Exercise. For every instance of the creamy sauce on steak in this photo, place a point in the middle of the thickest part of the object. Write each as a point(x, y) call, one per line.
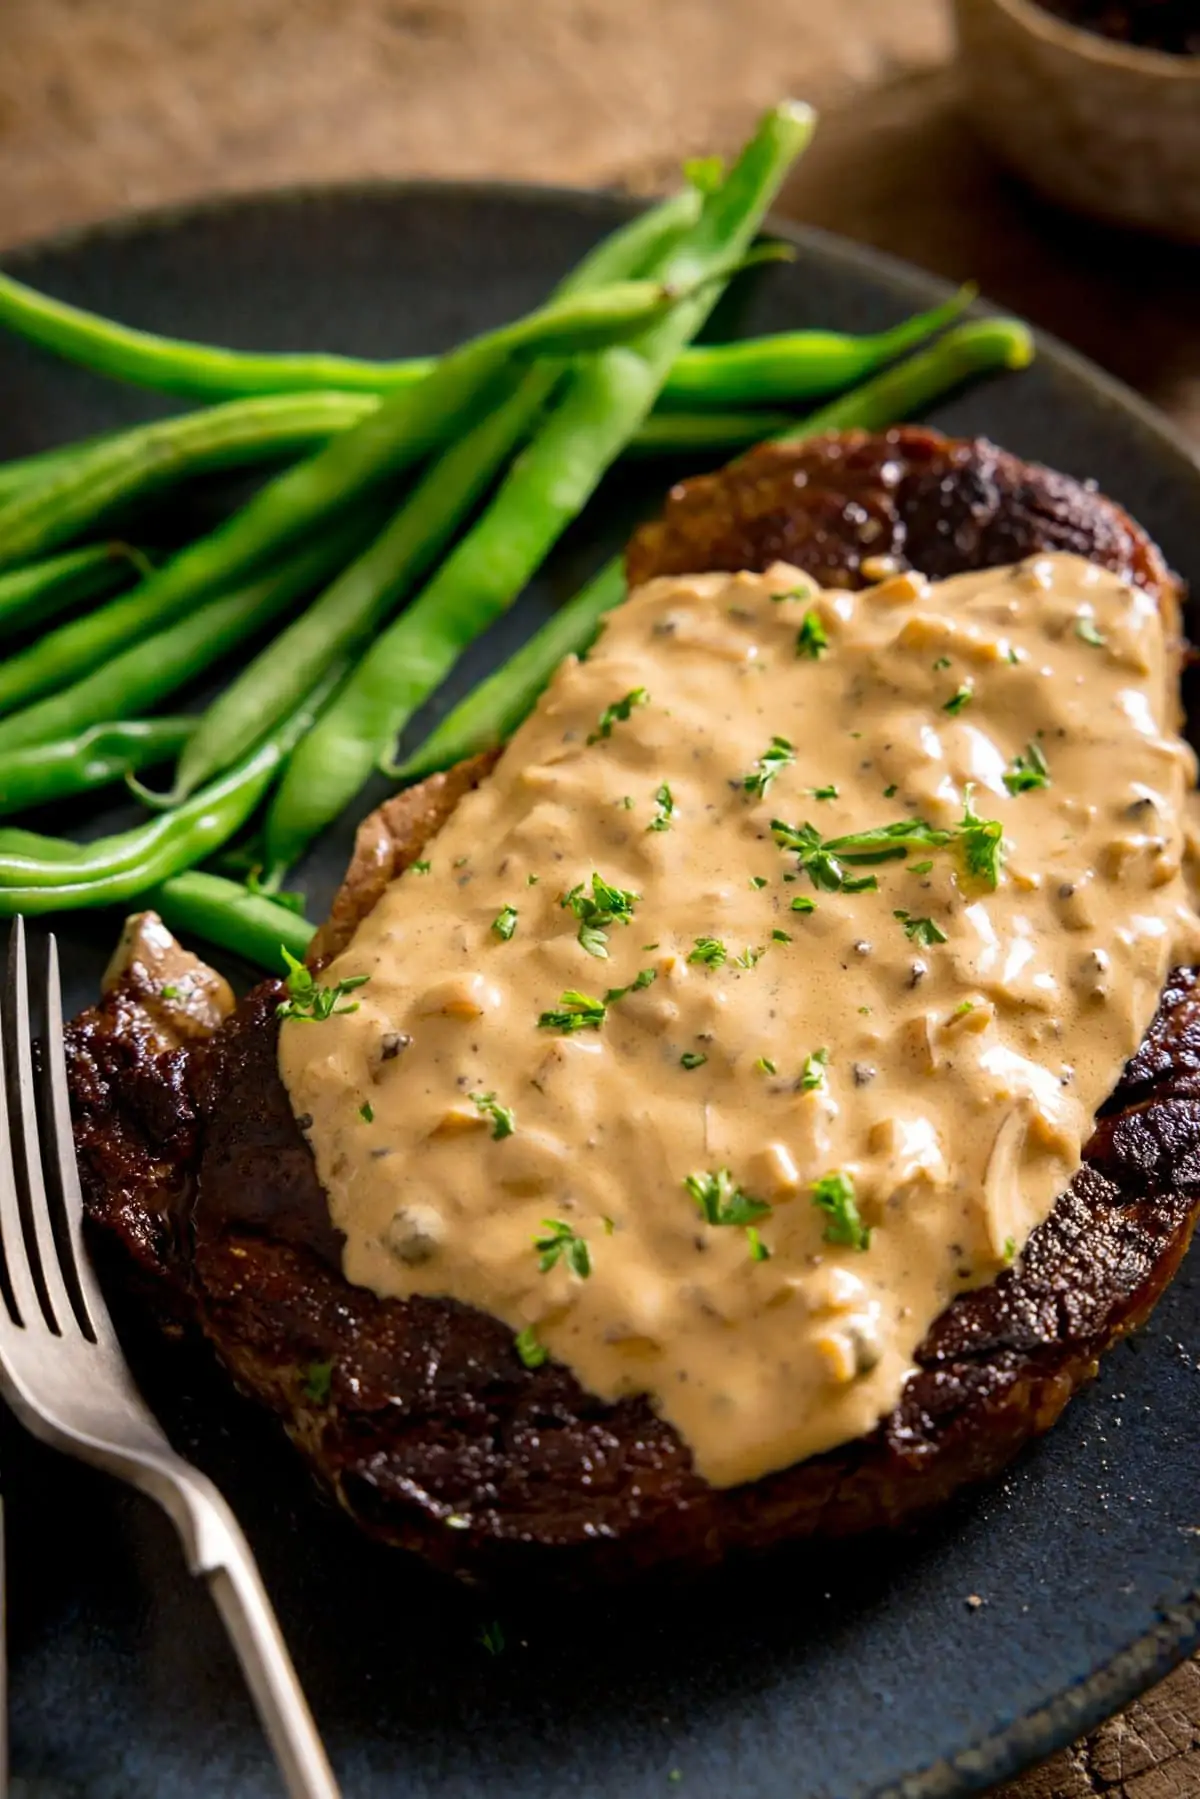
point(708, 1109)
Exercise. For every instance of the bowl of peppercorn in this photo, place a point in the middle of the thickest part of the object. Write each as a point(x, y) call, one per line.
point(1095, 102)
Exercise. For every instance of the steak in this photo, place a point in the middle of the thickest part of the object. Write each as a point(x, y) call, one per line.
point(419, 1414)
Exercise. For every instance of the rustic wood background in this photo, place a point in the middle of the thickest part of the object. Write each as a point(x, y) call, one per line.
point(109, 106)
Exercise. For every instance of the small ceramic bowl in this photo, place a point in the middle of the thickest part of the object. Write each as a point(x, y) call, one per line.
point(1100, 126)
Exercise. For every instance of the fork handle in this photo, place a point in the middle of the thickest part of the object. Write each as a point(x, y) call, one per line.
point(250, 1621)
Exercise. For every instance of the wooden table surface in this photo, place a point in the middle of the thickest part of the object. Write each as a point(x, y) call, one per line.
point(105, 107)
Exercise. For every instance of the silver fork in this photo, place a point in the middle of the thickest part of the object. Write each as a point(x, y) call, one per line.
point(65, 1376)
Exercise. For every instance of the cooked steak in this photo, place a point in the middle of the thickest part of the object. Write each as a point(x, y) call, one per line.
point(419, 1413)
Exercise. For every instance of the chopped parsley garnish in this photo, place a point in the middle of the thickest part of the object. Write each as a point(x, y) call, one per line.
point(420, 868)
point(367, 1112)
point(825, 858)
point(963, 1007)
point(780, 937)
point(665, 802)
point(708, 950)
point(308, 999)
point(692, 1059)
point(890, 792)
point(941, 663)
point(758, 1249)
point(765, 1065)
point(812, 639)
point(169, 992)
point(920, 868)
point(803, 591)
point(643, 978)
point(722, 1201)
point(777, 756)
point(925, 931)
point(575, 1012)
point(491, 1638)
point(1090, 632)
point(834, 1195)
point(758, 881)
point(532, 880)
point(824, 793)
point(562, 1243)
point(505, 922)
point(617, 713)
point(531, 1352)
point(504, 1121)
point(812, 1075)
point(1010, 1251)
point(1027, 771)
point(962, 696)
point(749, 957)
point(318, 1378)
point(981, 841)
point(802, 903)
point(605, 905)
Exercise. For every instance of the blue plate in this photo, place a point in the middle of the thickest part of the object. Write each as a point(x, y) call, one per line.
point(852, 1673)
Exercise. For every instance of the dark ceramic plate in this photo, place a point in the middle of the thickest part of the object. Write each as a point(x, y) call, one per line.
point(846, 1674)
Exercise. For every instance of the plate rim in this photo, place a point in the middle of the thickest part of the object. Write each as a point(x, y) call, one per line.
point(1149, 1658)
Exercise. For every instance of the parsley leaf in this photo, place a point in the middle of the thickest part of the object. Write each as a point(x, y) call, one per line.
point(722, 1201)
point(692, 1059)
point(665, 802)
point(531, 1352)
point(642, 979)
point(576, 1012)
point(824, 793)
point(420, 868)
point(367, 1112)
point(758, 882)
point(318, 1378)
point(708, 950)
point(778, 755)
point(1090, 632)
point(834, 1195)
point(749, 958)
point(617, 713)
point(758, 1249)
point(925, 931)
point(308, 999)
point(812, 1075)
point(505, 922)
point(503, 1119)
point(981, 841)
point(1027, 771)
point(962, 696)
point(605, 905)
point(802, 903)
point(812, 639)
point(562, 1244)
point(765, 1065)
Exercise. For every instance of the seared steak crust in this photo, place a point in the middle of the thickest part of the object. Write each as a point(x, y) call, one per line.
point(419, 1413)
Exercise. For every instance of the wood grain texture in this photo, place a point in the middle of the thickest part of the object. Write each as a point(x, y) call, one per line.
point(105, 107)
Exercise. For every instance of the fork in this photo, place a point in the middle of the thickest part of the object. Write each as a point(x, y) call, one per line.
point(64, 1374)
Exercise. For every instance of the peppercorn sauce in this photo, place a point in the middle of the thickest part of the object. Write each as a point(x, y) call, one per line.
point(706, 1107)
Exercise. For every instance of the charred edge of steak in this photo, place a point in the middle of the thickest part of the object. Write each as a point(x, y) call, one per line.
point(423, 1420)
point(937, 504)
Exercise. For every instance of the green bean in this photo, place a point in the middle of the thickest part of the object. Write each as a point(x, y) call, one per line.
point(229, 915)
point(605, 401)
point(344, 617)
point(492, 711)
point(104, 753)
point(200, 371)
point(298, 502)
point(36, 875)
point(798, 365)
point(158, 665)
point(144, 461)
point(21, 471)
point(44, 589)
point(983, 347)
point(792, 365)
point(704, 433)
